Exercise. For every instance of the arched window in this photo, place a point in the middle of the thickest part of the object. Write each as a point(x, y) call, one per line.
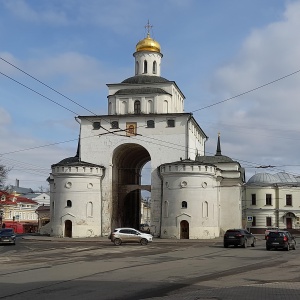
point(114, 124)
point(165, 107)
point(154, 70)
point(69, 203)
point(137, 68)
point(166, 209)
point(96, 125)
point(137, 107)
point(205, 209)
point(150, 124)
point(89, 209)
point(150, 108)
point(183, 204)
point(124, 109)
point(145, 66)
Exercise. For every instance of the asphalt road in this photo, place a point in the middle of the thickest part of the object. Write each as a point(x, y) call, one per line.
point(96, 269)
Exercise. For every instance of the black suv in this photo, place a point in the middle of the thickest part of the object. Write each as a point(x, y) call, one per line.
point(239, 237)
point(280, 239)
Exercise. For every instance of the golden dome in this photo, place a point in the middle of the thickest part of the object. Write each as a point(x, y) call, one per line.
point(148, 44)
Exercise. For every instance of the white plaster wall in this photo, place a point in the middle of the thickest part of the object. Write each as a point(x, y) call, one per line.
point(230, 199)
point(174, 98)
point(150, 57)
point(84, 189)
point(195, 188)
point(164, 144)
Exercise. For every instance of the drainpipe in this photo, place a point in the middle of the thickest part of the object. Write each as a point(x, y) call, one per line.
point(161, 198)
point(277, 205)
point(101, 206)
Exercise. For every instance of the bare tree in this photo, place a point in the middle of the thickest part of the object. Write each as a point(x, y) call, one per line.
point(3, 175)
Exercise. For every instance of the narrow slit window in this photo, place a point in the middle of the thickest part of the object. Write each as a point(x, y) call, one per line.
point(154, 67)
point(145, 66)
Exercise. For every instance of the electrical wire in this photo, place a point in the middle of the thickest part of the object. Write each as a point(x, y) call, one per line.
point(108, 131)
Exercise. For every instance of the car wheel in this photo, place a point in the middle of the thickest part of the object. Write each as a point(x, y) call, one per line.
point(245, 244)
point(294, 248)
point(225, 245)
point(117, 242)
point(144, 242)
point(253, 244)
point(287, 248)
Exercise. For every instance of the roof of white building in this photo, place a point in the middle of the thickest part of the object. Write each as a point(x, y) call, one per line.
point(270, 179)
point(142, 79)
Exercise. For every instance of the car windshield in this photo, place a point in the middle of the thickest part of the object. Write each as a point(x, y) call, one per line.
point(6, 231)
point(276, 234)
point(231, 232)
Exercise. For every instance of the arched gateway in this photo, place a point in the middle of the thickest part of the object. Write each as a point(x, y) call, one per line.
point(128, 161)
point(146, 123)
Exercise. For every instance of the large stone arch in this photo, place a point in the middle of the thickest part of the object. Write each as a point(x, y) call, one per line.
point(127, 163)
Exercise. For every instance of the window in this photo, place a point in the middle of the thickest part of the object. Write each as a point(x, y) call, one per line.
point(150, 124)
point(166, 209)
point(171, 123)
point(268, 199)
point(114, 124)
point(253, 221)
point(165, 107)
point(123, 107)
point(150, 107)
point(136, 68)
point(145, 66)
point(288, 200)
point(69, 203)
point(268, 221)
point(253, 199)
point(137, 107)
point(154, 67)
point(90, 209)
point(96, 125)
point(205, 209)
point(183, 204)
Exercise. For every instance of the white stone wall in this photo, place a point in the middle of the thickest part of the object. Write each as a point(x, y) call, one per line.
point(164, 144)
point(150, 57)
point(173, 96)
point(83, 189)
point(198, 187)
point(230, 195)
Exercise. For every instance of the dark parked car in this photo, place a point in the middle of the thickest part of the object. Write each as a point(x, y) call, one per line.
point(7, 236)
point(239, 237)
point(280, 239)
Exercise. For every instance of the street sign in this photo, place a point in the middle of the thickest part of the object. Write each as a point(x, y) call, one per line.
point(249, 219)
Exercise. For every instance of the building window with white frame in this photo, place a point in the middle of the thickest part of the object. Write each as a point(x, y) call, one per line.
point(288, 200)
point(253, 199)
point(268, 199)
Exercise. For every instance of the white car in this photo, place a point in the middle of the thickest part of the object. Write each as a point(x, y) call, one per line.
point(130, 235)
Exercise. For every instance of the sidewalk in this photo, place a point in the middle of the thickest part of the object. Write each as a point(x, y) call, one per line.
point(105, 239)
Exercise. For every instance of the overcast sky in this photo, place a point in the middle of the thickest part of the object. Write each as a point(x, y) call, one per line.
point(242, 54)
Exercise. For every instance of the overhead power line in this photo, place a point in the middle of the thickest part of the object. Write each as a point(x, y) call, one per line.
point(120, 130)
point(249, 91)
